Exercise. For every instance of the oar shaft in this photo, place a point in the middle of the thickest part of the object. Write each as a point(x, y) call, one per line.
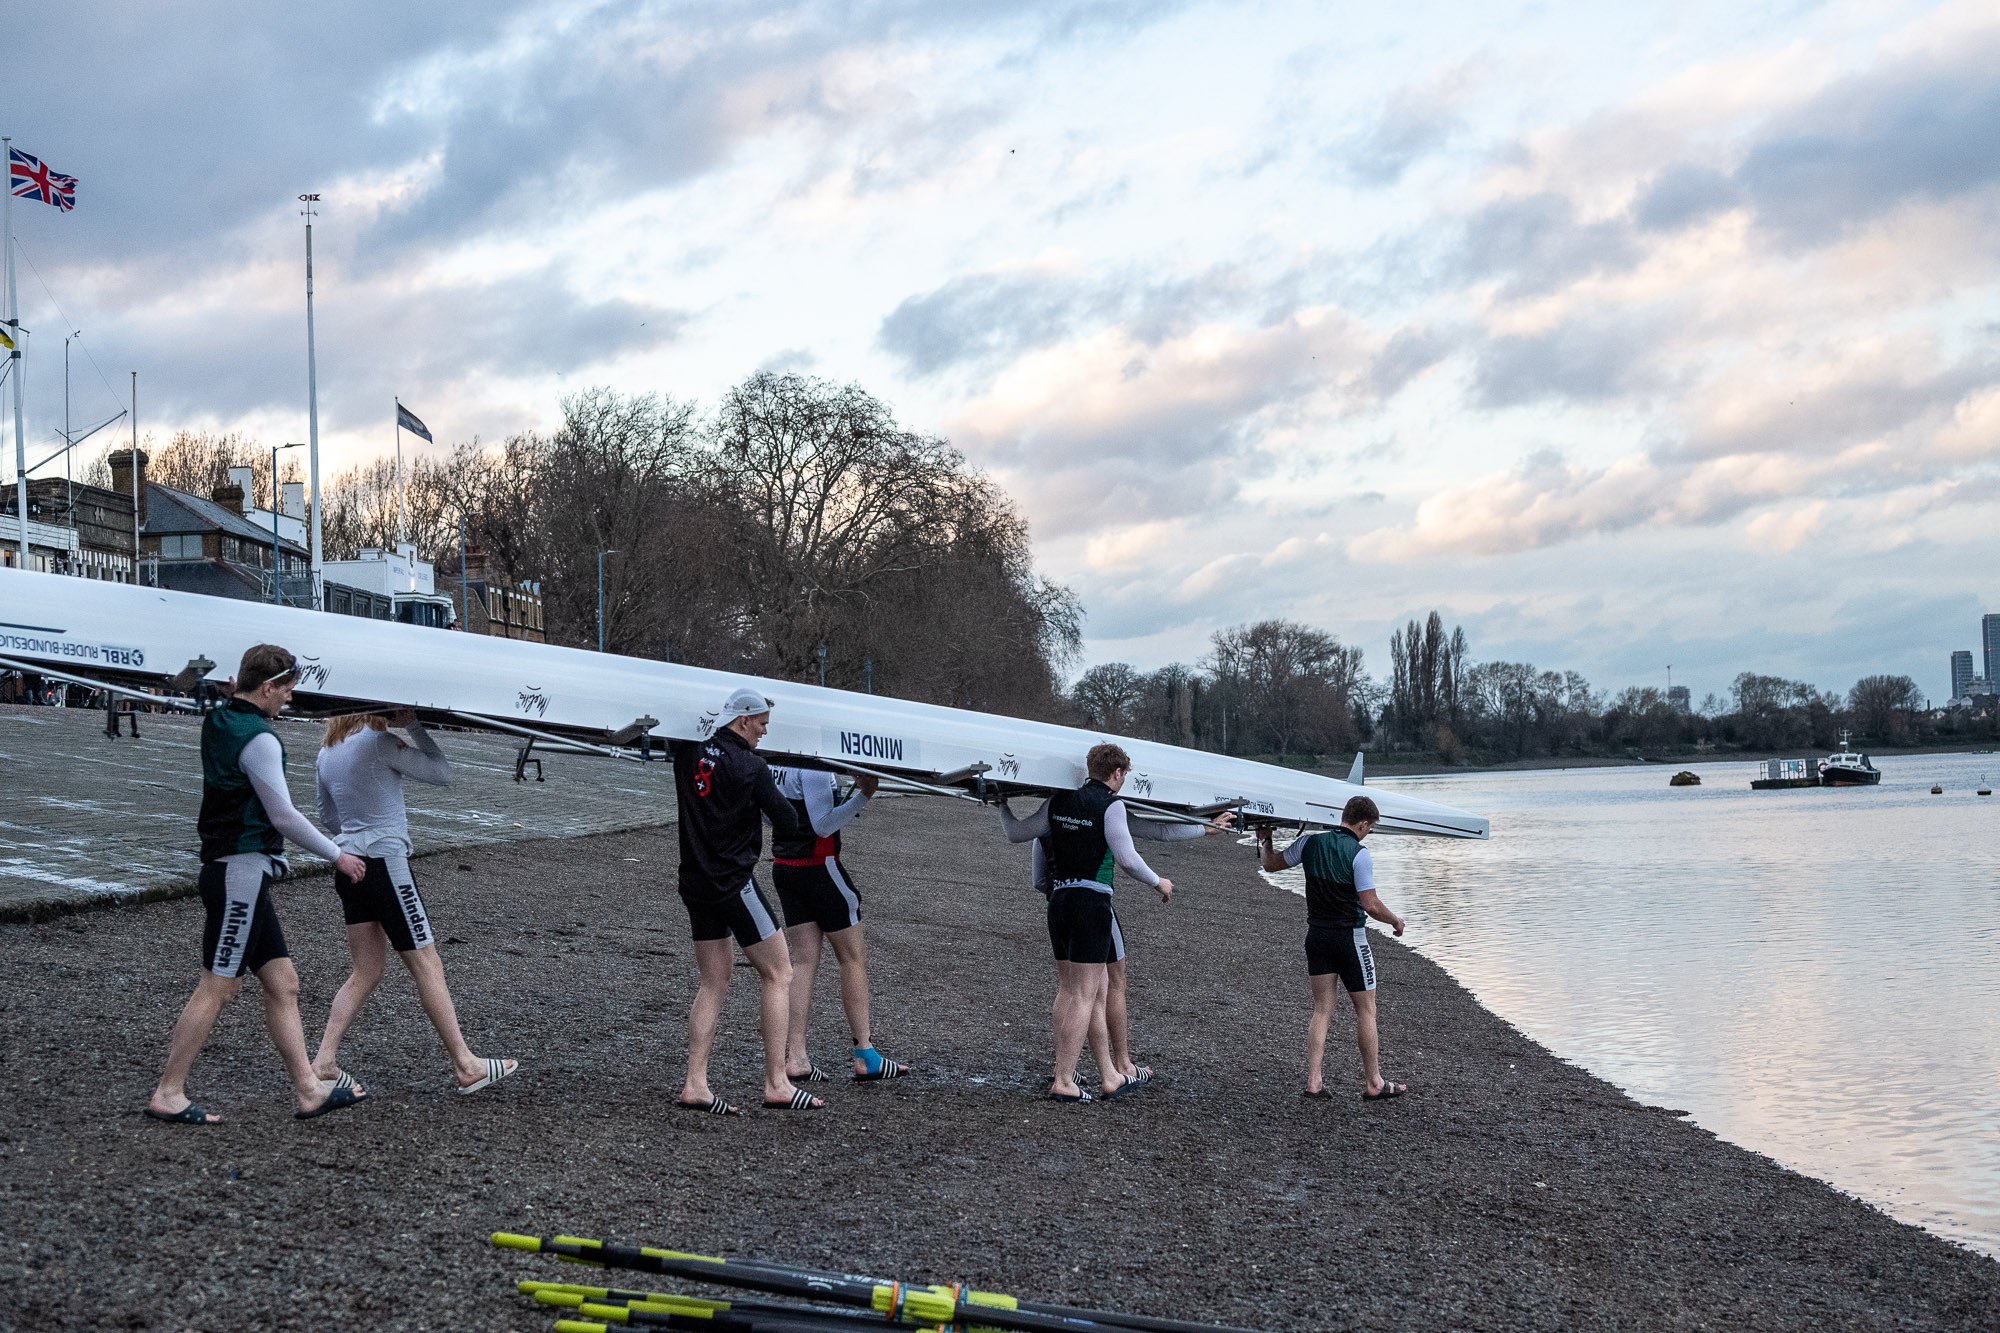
point(887, 1297)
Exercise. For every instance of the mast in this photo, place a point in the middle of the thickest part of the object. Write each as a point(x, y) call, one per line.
point(312, 406)
point(14, 357)
point(135, 477)
point(401, 535)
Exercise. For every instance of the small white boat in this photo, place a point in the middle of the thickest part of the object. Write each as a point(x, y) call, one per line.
point(1848, 769)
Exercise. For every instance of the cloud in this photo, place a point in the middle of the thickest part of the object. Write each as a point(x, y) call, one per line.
point(1922, 129)
point(1537, 243)
point(1416, 120)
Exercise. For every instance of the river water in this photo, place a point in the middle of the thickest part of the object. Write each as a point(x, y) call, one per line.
point(1813, 974)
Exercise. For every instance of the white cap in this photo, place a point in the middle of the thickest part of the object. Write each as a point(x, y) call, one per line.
point(743, 702)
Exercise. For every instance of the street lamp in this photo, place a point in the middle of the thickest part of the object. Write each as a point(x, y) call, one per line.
point(600, 595)
point(277, 556)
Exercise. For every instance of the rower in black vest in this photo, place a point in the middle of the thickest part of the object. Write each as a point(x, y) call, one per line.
point(246, 815)
point(822, 907)
point(1087, 835)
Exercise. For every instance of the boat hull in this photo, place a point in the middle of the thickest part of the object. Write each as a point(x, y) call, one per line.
point(1850, 777)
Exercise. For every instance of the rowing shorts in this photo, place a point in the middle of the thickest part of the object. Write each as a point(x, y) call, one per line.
point(1083, 928)
point(817, 895)
point(241, 932)
point(387, 896)
point(746, 916)
point(1334, 948)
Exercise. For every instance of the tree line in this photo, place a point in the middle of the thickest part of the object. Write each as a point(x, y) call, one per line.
point(1284, 689)
point(796, 528)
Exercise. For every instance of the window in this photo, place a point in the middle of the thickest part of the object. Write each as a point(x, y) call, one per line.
point(181, 546)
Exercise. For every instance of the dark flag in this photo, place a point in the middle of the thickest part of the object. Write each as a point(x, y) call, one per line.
point(408, 421)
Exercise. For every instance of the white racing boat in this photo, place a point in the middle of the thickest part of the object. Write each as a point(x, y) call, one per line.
point(140, 640)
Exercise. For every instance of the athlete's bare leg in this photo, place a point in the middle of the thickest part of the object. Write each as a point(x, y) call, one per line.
point(1115, 1023)
point(1079, 995)
point(191, 1029)
point(1326, 996)
point(280, 983)
point(804, 942)
point(1364, 1031)
point(773, 962)
point(850, 950)
point(369, 947)
point(427, 971)
point(713, 960)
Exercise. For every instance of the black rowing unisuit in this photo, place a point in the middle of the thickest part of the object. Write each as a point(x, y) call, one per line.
point(725, 789)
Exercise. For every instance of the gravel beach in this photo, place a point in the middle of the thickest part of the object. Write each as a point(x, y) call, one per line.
point(1508, 1191)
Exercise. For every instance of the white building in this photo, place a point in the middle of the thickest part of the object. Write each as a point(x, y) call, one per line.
point(407, 581)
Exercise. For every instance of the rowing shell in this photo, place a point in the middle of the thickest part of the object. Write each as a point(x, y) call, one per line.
point(122, 634)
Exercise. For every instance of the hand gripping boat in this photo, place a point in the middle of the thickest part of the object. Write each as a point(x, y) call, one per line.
point(138, 640)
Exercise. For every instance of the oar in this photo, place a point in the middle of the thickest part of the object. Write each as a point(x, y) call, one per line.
point(595, 1300)
point(935, 1304)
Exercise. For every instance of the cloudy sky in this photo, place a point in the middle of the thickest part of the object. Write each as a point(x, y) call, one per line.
point(1625, 335)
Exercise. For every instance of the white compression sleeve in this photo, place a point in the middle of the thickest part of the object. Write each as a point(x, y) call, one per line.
point(1025, 830)
point(827, 818)
point(329, 812)
point(1163, 830)
point(263, 763)
point(1119, 834)
point(425, 762)
point(1364, 871)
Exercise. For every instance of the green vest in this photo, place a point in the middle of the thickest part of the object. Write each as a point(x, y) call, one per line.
point(1329, 866)
point(232, 818)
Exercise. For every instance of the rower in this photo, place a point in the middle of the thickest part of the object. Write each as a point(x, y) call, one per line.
point(361, 769)
point(246, 816)
point(723, 784)
point(1086, 833)
point(1109, 1025)
point(822, 908)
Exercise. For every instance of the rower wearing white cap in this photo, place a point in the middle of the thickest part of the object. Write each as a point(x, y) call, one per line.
point(725, 790)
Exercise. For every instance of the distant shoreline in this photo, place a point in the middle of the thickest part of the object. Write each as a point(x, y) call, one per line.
point(1430, 766)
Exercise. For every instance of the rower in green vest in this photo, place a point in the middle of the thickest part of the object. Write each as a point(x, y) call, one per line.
point(246, 815)
point(1340, 897)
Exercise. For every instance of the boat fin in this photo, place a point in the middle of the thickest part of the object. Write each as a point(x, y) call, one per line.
point(1354, 774)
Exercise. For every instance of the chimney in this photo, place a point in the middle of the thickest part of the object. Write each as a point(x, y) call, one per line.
point(475, 563)
point(295, 500)
point(121, 477)
point(245, 481)
point(229, 495)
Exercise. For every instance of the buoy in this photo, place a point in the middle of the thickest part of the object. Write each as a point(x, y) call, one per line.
point(1684, 779)
point(1937, 791)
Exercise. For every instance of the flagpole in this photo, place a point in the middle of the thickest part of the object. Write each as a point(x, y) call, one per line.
point(312, 408)
point(401, 536)
point(14, 332)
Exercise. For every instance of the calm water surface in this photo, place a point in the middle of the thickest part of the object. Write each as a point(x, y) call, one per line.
point(1813, 974)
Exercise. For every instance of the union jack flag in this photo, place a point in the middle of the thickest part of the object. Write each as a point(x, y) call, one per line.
point(30, 178)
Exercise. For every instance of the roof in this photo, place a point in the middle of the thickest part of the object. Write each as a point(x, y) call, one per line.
point(171, 511)
point(212, 578)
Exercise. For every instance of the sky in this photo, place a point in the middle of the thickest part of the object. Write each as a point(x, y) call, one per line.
point(1625, 336)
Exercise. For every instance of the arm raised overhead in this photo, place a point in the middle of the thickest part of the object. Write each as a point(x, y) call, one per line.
point(1024, 830)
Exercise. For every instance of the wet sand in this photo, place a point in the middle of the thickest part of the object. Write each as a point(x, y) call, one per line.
point(1508, 1191)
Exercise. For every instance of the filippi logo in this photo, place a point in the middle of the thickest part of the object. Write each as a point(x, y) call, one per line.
point(1010, 767)
point(312, 674)
point(705, 724)
point(532, 700)
point(1142, 784)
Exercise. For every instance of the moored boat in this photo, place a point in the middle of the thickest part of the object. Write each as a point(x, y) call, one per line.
point(1845, 768)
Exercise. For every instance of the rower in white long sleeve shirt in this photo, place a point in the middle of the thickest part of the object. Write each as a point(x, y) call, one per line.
point(367, 768)
point(246, 818)
point(822, 906)
point(360, 771)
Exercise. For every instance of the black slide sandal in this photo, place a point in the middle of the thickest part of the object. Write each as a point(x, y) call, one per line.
point(187, 1115)
point(337, 1100)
